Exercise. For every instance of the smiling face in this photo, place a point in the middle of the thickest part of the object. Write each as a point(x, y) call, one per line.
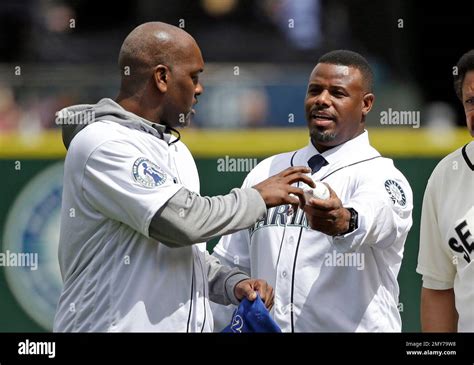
point(468, 100)
point(336, 104)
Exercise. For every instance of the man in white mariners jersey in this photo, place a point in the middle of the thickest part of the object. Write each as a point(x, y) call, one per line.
point(334, 266)
point(447, 228)
point(131, 214)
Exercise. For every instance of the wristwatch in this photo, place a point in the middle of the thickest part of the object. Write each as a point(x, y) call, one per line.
point(353, 220)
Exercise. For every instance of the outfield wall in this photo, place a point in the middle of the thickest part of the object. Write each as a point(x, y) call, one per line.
point(31, 187)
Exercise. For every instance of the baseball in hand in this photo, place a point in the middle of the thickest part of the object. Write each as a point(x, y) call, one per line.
point(319, 192)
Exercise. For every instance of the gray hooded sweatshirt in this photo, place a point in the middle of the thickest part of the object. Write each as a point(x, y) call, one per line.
point(203, 218)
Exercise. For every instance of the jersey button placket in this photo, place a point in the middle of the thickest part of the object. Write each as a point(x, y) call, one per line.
point(285, 268)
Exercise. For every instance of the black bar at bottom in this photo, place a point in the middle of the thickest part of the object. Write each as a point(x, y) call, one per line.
point(157, 348)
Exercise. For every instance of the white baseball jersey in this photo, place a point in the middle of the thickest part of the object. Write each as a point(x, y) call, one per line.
point(116, 277)
point(447, 232)
point(325, 283)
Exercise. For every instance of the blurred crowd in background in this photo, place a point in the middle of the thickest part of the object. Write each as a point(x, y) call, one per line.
point(258, 53)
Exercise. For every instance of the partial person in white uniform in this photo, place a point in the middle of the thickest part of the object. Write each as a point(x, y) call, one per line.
point(132, 219)
point(333, 266)
point(447, 228)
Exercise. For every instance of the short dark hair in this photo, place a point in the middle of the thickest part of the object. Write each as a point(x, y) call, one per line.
point(353, 59)
point(464, 65)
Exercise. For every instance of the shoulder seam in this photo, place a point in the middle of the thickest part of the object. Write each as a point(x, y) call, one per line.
point(87, 160)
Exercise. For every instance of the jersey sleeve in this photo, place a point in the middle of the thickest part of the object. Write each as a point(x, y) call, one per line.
point(435, 262)
point(384, 204)
point(124, 185)
point(233, 249)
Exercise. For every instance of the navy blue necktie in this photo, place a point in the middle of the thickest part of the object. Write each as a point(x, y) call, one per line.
point(316, 162)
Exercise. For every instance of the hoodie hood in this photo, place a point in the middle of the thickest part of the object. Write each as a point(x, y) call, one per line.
point(75, 118)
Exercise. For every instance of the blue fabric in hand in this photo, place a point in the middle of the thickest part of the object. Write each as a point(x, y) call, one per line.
point(252, 317)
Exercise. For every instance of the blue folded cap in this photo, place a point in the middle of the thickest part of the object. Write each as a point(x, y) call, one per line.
point(252, 317)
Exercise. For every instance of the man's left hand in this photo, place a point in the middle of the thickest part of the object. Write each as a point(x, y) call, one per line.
point(248, 289)
point(327, 216)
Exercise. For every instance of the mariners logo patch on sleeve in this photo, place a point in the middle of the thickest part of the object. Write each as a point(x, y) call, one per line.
point(396, 193)
point(148, 174)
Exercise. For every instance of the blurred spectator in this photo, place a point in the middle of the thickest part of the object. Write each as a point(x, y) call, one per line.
point(298, 20)
point(9, 110)
point(46, 36)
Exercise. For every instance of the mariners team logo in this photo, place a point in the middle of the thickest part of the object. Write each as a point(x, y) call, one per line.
point(147, 173)
point(396, 193)
point(32, 230)
point(237, 324)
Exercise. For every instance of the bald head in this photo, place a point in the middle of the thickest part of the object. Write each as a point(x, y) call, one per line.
point(160, 66)
point(147, 46)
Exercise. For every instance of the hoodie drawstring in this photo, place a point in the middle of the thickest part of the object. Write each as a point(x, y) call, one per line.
point(171, 129)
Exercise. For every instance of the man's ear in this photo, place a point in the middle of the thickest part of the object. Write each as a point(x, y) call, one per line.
point(367, 103)
point(161, 76)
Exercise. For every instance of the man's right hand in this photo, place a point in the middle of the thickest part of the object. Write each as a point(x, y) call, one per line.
point(276, 189)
